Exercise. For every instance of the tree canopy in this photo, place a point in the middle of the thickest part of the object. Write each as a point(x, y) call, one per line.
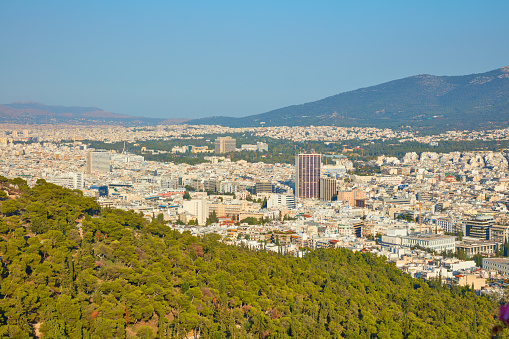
point(71, 270)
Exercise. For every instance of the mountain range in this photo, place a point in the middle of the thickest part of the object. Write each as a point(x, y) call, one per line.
point(30, 112)
point(468, 101)
point(428, 101)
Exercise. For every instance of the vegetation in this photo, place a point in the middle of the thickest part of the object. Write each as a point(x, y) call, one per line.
point(70, 270)
point(283, 151)
point(426, 101)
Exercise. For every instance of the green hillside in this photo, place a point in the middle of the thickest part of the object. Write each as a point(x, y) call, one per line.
point(120, 276)
point(467, 101)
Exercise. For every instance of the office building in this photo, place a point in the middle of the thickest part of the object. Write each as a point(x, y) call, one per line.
point(277, 201)
point(70, 180)
point(480, 227)
point(198, 208)
point(263, 187)
point(328, 188)
point(500, 233)
point(351, 196)
point(307, 175)
point(225, 145)
point(98, 162)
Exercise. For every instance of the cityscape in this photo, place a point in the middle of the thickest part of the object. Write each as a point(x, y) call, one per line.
point(431, 214)
point(254, 170)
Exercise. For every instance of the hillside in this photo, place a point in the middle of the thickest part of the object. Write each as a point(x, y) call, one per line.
point(469, 101)
point(37, 113)
point(69, 270)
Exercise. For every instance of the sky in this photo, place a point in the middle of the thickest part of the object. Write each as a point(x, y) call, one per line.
point(191, 59)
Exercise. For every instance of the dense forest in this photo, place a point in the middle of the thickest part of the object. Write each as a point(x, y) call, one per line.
point(71, 270)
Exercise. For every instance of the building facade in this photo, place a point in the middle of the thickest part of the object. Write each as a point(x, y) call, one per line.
point(263, 187)
point(281, 201)
point(328, 188)
point(98, 162)
point(351, 196)
point(225, 145)
point(480, 227)
point(434, 242)
point(307, 175)
point(496, 264)
point(198, 208)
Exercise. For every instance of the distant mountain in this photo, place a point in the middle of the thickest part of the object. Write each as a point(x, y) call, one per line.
point(466, 101)
point(29, 112)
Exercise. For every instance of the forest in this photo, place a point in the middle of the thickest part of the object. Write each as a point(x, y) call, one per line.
point(70, 269)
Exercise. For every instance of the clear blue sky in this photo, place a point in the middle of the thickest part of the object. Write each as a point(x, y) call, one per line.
point(190, 58)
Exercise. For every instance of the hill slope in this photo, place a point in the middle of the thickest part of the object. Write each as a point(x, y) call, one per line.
point(69, 270)
point(37, 113)
point(421, 100)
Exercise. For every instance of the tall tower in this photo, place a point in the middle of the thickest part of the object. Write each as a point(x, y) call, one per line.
point(307, 175)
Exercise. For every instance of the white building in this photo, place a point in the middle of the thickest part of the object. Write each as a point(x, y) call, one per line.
point(496, 264)
point(198, 208)
point(98, 162)
point(434, 242)
point(277, 201)
point(71, 180)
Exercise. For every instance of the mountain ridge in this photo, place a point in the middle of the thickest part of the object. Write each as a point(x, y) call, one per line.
point(32, 112)
point(420, 100)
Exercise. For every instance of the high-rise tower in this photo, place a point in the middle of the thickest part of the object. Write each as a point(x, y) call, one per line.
point(307, 175)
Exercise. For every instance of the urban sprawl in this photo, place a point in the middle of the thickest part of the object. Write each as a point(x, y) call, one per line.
point(434, 215)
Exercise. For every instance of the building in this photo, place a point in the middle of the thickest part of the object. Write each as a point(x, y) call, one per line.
point(71, 180)
point(358, 228)
point(98, 162)
point(102, 191)
point(434, 242)
point(201, 149)
point(447, 224)
point(351, 196)
point(471, 280)
point(496, 264)
point(248, 147)
point(500, 233)
point(263, 187)
point(225, 144)
point(198, 208)
point(307, 175)
point(262, 147)
point(232, 209)
point(328, 188)
point(480, 227)
point(211, 185)
point(473, 246)
point(277, 201)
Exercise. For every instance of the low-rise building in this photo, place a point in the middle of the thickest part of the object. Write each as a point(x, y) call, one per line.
point(496, 264)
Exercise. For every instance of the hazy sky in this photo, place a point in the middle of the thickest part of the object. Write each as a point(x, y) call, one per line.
point(201, 58)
